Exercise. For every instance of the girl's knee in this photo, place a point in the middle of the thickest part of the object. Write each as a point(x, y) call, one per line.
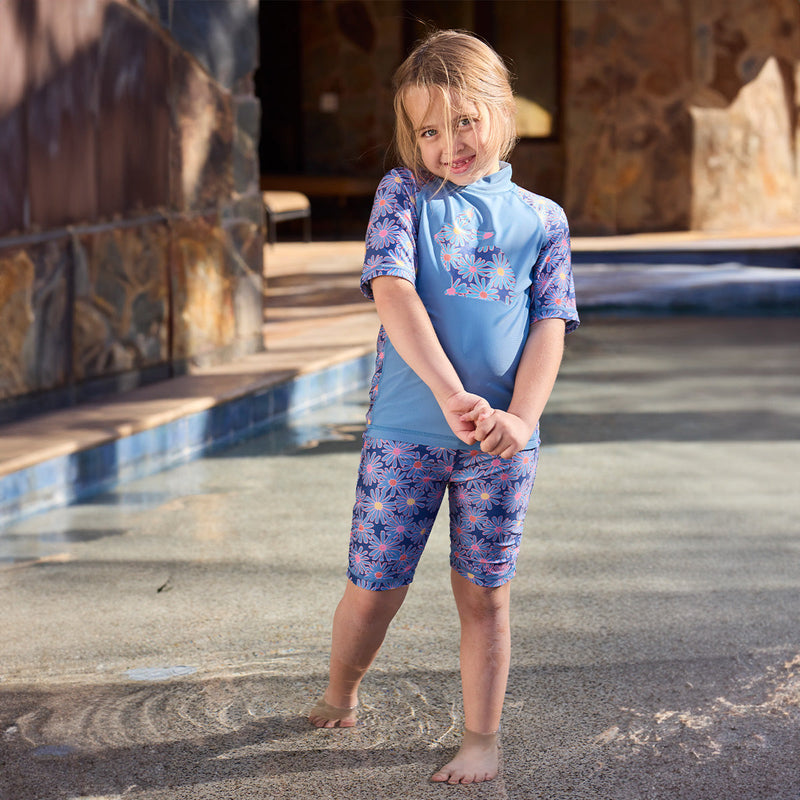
point(481, 602)
point(372, 605)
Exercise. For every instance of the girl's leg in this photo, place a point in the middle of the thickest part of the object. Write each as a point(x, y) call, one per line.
point(387, 537)
point(485, 659)
point(359, 627)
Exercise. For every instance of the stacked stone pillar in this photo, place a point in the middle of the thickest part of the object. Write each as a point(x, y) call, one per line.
point(131, 226)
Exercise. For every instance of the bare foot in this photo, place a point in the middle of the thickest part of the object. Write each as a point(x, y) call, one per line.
point(477, 761)
point(324, 715)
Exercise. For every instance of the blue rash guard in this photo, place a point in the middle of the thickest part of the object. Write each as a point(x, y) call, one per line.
point(487, 260)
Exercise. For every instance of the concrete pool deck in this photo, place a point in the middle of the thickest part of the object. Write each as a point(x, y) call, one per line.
point(319, 335)
point(162, 640)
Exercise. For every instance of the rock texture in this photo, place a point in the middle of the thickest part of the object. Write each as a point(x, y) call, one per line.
point(744, 164)
point(682, 118)
point(121, 300)
point(130, 215)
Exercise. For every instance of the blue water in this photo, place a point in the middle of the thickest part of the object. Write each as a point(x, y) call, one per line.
point(52, 535)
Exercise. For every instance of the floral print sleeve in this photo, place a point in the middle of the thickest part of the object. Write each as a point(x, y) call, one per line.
point(553, 289)
point(392, 230)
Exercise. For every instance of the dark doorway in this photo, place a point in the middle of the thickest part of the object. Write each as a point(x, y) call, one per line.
point(278, 84)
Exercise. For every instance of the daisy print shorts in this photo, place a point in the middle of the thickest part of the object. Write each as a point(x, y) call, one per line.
point(399, 492)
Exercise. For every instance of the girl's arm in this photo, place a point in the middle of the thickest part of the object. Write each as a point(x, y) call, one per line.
point(411, 332)
point(505, 433)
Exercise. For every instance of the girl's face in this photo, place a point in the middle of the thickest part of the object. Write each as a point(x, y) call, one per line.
point(468, 156)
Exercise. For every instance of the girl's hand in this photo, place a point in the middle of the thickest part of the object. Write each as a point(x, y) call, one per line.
point(502, 434)
point(463, 411)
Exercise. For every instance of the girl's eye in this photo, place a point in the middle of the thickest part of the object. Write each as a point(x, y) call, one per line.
point(465, 122)
point(427, 134)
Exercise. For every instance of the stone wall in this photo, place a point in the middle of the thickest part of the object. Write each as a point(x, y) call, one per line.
point(745, 115)
point(681, 114)
point(131, 226)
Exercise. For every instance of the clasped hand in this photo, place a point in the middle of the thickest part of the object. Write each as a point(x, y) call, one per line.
point(473, 420)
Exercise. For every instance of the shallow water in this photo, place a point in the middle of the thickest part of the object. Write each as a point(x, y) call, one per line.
point(52, 535)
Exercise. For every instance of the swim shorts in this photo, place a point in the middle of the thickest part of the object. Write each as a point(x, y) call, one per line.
point(399, 492)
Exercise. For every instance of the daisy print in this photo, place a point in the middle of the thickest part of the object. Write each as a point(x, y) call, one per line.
point(449, 254)
point(522, 463)
point(376, 574)
point(457, 288)
point(475, 547)
point(361, 498)
point(483, 290)
point(500, 527)
point(475, 460)
point(460, 494)
point(412, 499)
point(407, 559)
point(459, 531)
point(378, 506)
point(482, 465)
point(400, 257)
point(396, 453)
point(373, 261)
point(471, 268)
point(517, 497)
point(461, 232)
point(383, 234)
point(393, 481)
point(500, 272)
point(484, 495)
point(372, 466)
point(427, 482)
point(418, 535)
point(416, 467)
point(475, 518)
point(385, 203)
point(385, 546)
point(397, 526)
point(359, 560)
point(362, 530)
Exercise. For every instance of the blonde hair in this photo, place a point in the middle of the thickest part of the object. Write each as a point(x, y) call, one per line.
point(462, 69)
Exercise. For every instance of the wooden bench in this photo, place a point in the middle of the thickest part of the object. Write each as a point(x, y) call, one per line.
point(285, 205)
point(340, 187)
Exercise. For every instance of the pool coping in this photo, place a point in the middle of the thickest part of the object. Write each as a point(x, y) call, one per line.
point(75, 470)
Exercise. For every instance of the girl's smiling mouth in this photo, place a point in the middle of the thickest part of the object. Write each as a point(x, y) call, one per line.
point(460, 165)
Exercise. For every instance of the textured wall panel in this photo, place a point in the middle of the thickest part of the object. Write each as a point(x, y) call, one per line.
point(202, 290)
point(121, 300)
point(33, 321)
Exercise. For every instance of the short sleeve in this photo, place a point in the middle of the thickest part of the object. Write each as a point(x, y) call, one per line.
point(392, 230)
point(553, 289)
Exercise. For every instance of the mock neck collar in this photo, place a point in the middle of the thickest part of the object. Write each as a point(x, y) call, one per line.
point(490, 184)
point(495, 182)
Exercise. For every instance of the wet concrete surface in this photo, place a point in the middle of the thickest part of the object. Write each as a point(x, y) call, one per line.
point(162, 641)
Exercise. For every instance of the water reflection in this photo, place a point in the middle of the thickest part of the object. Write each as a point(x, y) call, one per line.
point(196, 488)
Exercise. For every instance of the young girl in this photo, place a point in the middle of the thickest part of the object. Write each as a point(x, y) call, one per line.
point(472, 282)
